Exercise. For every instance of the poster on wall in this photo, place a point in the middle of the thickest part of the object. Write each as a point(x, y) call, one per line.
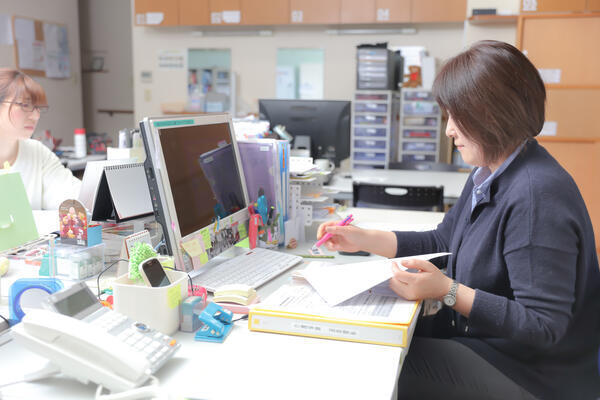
point(41, 48)
point(58, 64)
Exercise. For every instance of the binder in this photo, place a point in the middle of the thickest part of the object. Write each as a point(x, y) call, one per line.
point(17, 225)
point(123, 194)
point(298, 310)
point(266, 170)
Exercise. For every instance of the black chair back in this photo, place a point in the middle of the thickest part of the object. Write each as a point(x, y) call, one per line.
point(420, 198)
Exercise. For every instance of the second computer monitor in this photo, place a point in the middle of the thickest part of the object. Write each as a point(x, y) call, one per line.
point(326, 122)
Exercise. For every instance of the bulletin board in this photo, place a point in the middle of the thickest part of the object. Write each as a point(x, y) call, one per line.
point(41, 48)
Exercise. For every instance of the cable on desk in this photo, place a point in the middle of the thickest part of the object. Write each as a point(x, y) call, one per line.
point(103, 271)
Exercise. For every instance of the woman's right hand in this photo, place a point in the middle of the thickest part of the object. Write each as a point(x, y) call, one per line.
point(345, 238)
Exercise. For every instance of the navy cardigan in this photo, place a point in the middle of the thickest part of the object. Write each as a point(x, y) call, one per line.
point(528, 250)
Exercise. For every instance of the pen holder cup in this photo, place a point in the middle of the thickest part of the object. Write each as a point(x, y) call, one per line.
point(157, 307)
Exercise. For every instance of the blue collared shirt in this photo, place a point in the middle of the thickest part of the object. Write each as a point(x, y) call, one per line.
point(483, 178)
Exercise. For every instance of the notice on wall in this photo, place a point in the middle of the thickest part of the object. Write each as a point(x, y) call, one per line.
point(58, 64)
point(549, 128)
point(171, 59)
point(550, 75)
point(6, 36)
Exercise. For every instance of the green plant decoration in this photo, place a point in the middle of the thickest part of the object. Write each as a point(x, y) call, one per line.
point(140, 253)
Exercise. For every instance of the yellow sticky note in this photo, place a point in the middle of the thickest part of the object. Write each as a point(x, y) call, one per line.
point(174, 296)
point(204, 258)
point(242, 230)
point(206, 238)
point(244, 243)
point(192, 247)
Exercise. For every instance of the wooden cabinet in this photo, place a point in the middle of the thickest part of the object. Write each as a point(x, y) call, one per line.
point(553, 5)
point(193, 12)
point(156, 12)
point(438, 10)
point(393, 10)
point(265, 12)
point(225, 12)
point(357, 11)
point(593, 5)
point(315, 11)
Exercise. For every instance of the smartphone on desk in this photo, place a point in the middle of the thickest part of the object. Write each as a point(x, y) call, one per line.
point(153, 273)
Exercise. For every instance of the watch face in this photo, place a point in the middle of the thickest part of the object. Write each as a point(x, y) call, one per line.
point(449, 300)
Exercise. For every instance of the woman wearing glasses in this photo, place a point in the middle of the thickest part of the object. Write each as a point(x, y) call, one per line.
point(46, 180)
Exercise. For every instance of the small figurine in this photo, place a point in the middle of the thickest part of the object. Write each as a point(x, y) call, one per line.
point(414, 77)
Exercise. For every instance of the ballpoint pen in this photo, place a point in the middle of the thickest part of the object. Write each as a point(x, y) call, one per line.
point(328, 235)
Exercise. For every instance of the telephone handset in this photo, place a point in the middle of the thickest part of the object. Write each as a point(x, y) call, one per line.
point(83, 351)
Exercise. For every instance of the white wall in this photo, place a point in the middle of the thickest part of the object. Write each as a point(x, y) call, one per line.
point(253, 57)
point(64, 95)
point(106, 30)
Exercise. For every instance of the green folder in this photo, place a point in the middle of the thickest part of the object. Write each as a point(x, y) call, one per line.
point(17, 225)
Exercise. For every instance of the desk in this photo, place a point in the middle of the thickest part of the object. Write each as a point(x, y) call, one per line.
point(453, 182)
point(253, 365)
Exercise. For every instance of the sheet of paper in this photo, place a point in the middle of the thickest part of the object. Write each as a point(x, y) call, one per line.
point(6, 36)
point(303, 299)
point(339, 282)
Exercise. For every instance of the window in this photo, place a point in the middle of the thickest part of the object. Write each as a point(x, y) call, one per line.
point(299, 74)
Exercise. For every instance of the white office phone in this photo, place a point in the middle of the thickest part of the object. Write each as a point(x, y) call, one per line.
point(93, 343)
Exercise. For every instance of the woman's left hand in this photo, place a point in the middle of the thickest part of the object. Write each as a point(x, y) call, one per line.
point(428, 283)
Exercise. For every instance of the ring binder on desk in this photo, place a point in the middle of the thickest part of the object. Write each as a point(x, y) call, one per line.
point(123, 194)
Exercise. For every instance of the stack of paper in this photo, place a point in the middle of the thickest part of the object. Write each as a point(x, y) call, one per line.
point(368, 318)
point(341, 303)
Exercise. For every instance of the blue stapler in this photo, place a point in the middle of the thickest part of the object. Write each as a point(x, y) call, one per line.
point(216, 324)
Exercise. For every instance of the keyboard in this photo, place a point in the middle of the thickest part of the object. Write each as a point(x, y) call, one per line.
point(157, 347)
point(254, 268)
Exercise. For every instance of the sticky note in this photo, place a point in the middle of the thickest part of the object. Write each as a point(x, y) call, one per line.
point(193, 247)
point(174, 296)
point(244, 243)
point(206, 238)
point(204, 257)
point(242, 230)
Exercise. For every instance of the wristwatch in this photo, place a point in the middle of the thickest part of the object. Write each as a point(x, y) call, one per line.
point(450, 298)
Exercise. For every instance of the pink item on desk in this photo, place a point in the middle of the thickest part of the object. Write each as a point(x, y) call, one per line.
point(327, 236)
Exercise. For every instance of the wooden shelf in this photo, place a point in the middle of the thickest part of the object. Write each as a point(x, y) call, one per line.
point(492, 19)
point(111, 112)
point(183, 112)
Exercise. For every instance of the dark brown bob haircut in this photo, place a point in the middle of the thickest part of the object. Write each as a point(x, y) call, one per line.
point(495, 96)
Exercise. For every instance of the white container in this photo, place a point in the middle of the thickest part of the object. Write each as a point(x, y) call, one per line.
point(157, 307)
point(80, 143)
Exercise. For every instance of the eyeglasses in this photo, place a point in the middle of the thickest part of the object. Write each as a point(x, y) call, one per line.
point(29, 107)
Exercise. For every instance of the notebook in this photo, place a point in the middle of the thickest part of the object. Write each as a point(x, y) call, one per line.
point(123, 194)
point(17, 225)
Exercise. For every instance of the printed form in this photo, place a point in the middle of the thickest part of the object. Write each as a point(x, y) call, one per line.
point(337, 283)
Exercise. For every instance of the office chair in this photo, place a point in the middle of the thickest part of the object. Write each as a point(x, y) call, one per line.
point(420, 198)
point(425, 166)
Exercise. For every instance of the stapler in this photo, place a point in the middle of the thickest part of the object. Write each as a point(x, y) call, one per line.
point(216, 324)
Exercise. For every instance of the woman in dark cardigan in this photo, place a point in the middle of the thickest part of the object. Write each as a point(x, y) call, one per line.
point(521, 292)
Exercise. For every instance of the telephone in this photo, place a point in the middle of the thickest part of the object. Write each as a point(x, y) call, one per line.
point(93, 343)
point(80, 350)
point(235, 293)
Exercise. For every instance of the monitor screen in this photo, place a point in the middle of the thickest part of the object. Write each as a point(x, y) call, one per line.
point(203, 174)
point(326, 122)
point(196, 182)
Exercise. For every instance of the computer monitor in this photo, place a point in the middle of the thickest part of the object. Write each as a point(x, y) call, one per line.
point(196, 181)
point(326, 122)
